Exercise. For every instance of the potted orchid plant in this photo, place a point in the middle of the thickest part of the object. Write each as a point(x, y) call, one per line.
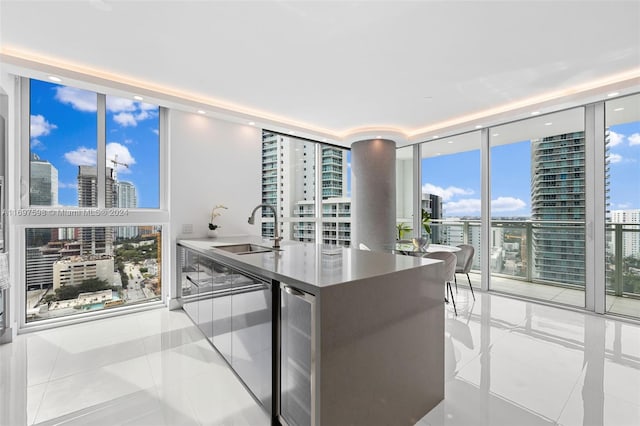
point(215, 212)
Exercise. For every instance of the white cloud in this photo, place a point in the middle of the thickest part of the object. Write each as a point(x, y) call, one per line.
point(36, 144)
point(125, 119)
point(147, 107)
point(80, 100)
point(615, 138)
point(120, 104)
point(615, 158)
point(63, 185)
point(39, 126)
point(82, 156)
point(507, 204)
point(464, 206)
point(623, 206)
point(446, 193)
point(121, 154)
point(157, 132)
point(129, 113)
point(349, 166)
point(142, 115)
point(634, 139)
point(87, 157)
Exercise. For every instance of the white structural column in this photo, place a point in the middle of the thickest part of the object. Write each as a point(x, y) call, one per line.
point(373, 187)
point(595, 207)
point(485, 210)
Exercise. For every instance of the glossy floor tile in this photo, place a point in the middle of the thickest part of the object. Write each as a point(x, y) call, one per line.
point(508, 362)
point(148, 368)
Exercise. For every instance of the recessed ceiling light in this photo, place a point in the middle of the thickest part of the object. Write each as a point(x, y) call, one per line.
point(435, 137)
point(478, 126)
point(613, 94)
point(378, 137)
point(137, 98)
point(324, 139)
point(548, 124)
point(252, 123)
point(201, 112)
point(535, 113)
point(437, 153)
point(618, 109)
point(54, 78)
point(291, 132)
point(496, 134)
point(449, 141)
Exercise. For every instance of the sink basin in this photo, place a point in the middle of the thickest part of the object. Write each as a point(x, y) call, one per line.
point(245, 248)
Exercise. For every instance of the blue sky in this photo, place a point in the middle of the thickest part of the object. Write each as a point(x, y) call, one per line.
point(64, 132)
point(456, 177)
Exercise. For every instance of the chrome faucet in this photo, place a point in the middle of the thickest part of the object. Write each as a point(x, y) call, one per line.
point(276, 239)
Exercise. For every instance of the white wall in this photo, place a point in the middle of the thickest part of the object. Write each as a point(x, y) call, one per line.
point(213, 162)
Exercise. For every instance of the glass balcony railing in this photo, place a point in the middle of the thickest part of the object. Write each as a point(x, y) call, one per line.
point(549, 252)
point(622, 259)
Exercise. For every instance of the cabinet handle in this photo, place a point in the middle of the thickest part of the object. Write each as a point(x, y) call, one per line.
point(292, 291)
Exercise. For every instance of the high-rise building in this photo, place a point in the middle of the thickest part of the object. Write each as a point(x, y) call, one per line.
point(288, 182)
point(76, 269)
point(433, 205)
point(558, 208)
point(126, 197)
point(43, 190)
point(95, 239)
point(40, 260)
point(336, 221)
point(630, 239)
point(334, 169)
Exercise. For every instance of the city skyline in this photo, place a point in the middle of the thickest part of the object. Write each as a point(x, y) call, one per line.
point(456, 177)
point(63, 131)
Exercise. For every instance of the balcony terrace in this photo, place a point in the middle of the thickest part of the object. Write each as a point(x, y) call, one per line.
point(518, 261)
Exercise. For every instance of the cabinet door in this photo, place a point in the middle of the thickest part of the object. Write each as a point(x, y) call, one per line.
point(205, 297)
point(251, 323)
point(297, 357)
point(189, 285)
point(222, 323)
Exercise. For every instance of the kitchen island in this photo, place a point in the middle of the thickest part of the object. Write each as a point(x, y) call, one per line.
point(321, 335)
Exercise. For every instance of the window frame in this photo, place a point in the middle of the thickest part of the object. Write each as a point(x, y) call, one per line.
point(135, 217)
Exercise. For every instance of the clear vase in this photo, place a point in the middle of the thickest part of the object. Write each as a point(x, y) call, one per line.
point(212, 233)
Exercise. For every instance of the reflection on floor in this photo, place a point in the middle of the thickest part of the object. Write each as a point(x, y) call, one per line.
point(625, 306)
point(149, 368)
point(508, 362)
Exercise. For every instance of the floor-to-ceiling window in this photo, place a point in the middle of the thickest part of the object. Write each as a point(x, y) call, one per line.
point(295, 174)
point(538, 207)
point(92, 161)
point(622, 189)
point(404, 193)
point(335, 178)
point(288, 184)
point(450, 190)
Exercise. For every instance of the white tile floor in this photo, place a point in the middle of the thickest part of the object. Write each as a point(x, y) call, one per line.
point(149, 368)
point(508, 362)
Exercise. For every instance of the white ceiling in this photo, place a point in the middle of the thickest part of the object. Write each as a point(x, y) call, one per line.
point(339, 69)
